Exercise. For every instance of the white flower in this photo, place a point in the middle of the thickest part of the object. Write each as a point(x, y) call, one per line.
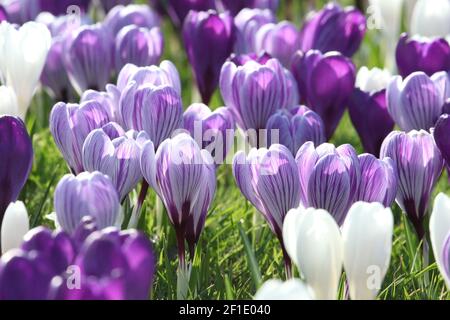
point(372, 80)
point(14, 226)
point(292, 289)
point(431, 18)
point(8, 101)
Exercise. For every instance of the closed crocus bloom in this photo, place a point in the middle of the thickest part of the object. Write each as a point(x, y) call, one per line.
point(235, 6)
point(139, 46)
point(241, 59)
point(428, 55)
point(179, 9)
point(329, 177)
point(313, 70)
point(23, 52)
point(88, 58)
point(419, 165)
point(16, 158)
point(314, 243)
point(212, 130)
point(109, 99)
point(368, 108)
point(21, 11)
point(439, 234)
point(134, 14)
point(334, 29)
point(280, 40)
point(8, 101)
point(88, 194)
point(295, 127)
point(430, 18)
point(442, 137)
point(208, 38)
point(14, 226)
point(118, 158)
point(70, 124)
point(247, 23)
point(367, 239)
point(416, 102)
point(292, 289)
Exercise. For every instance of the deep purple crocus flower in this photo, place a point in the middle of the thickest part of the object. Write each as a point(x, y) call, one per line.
point(208, 38)
point(295, 127)
point(441, 135)
point(235, 6)
point(325, 82)
point(109, 4)
point(428, 55)
point(134, 14)
point(419, 165)
point(16, 159)
point(334, 29)
point(179, 9)
point(3, 14)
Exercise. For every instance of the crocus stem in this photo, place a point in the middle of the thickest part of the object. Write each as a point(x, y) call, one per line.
point(134, 220)
point(181, 248)
point(183, 272)
point(287, 262)
point(159, 207)
point(426, 260)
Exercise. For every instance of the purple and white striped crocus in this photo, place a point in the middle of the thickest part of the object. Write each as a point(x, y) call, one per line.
point(269, 179)
point(134, 14)
point(88, 194)
point(109, 99)
point(208, 38)
point(295, 127)
point(419, 165)
point(368, 109)
point(212, 130)
point(416, 102)
point(325, 82)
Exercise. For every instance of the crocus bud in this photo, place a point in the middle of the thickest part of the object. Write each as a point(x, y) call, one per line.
point(88, 194)
point(314, 243)
point(419, 165)
point(235, 6)
point(292, 289)
point(430, 18)
point(280, 40)
point(208, 38)
point(179, 9)
point(139, 46)
point(442, 137)
point(367, 238)
point(428, 55)
point(334, 29)
point(312, 70)
point(416, 102)
point(23, 52)
point(368, 108)
point(8, 101)
point(295, 127)
point(15, 225)
point(109, 100)
point(135, 14)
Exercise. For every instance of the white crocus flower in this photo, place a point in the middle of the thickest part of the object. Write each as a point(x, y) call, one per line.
point(8, 101)
point(367, 237)
point(431, 18)
point(23, 53)
point(292, 289)
point(372, 80)
point(313, 241)
point(440, 230)
point(14, 226)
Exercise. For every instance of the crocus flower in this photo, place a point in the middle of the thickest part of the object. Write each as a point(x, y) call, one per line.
point(439, 234)
point(368, 108)
point(109, 99)
point(88, 194)
point(428, 55)
point(430, 18)
point(247, 23)
point(212, 130)
point(14, 226)
point(70, 124)
point(241, 59)
point(62, 7)
point(334, 29)
point(134, 14)
point(269, 179)
point(16, 158)
point(109, 4)
point(21, 11)
point(208, 38)
point(3, 14)
point(8, 101)
point(280, 40)
point(139, 46)
point(88, 58)
point(295, 127)
point(235, 6)
point(419, 165)
point(442, 137)
point(313, 70)
point(23, 53)
point(329, 177)
point(416, 102)
point(118, 158)
point(291, 289)
point(179, 9)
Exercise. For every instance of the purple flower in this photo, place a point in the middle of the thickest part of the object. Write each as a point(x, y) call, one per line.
point(118, 158)
point(428, 55)
point(329, 177)
point(133, 14)
point(109, 100)
point(212, 130)
point(235, 6)
point(334, 29)
point(179, 9)
point(418, 165)
point(61, 7)
point(416, 102)
point(139, 46)
point(21, 11)
point(16, 158)
point(109, 4)
point(295, 127)
point(88, 194)
point(3, 14)
point(70, 124)
point(208, 38)
point(88, 58)
point(280, 40)
point(442, 137)
point(241, 59)
point(325, 82)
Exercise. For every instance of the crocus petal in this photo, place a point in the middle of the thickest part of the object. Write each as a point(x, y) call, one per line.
point(430, 18)
point(15, 225)
point(292, 289)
